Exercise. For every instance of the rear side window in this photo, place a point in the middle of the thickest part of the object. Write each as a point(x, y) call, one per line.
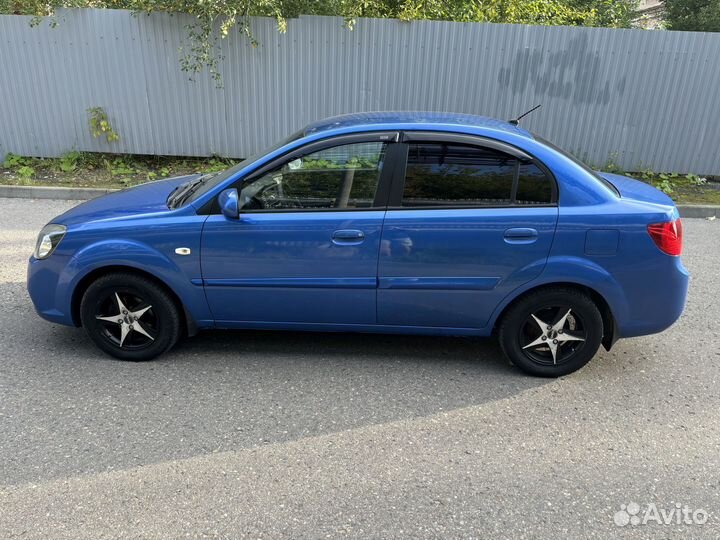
point(452, 175)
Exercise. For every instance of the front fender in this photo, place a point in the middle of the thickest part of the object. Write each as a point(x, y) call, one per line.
point(132, 254)
point(576, 271)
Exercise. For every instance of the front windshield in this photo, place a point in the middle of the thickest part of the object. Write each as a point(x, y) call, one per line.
point(577, 162)
point(220, 177)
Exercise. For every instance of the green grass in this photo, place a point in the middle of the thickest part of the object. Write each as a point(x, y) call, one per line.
point(81, 169)
point(688, 188)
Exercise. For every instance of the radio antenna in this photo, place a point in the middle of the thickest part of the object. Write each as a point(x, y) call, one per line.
point(516, 121)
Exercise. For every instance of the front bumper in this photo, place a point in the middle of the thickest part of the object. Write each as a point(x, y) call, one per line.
point(43, 286)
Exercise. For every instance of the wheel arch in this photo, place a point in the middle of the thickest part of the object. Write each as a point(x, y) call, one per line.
point(188, 323)
point(610, 331)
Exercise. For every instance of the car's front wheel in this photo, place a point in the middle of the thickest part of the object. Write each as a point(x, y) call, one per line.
point(130, 317)
point(551, 332)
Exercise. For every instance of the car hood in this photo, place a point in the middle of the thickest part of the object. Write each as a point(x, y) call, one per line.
point(143, 199)
point(630, 188)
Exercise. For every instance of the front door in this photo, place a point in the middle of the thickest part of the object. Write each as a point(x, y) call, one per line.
point(305, 249)
point(467, 223)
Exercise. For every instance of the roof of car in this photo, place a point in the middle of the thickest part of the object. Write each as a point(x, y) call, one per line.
point(393, 118)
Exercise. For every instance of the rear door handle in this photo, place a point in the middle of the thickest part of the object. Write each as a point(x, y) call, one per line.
point(521, 235)
point(345, 237)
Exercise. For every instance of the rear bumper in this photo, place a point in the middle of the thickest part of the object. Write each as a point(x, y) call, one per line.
point(655, 301)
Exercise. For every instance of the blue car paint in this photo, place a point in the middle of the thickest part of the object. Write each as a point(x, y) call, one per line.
point(228, 200)
point(461, 262)
point(146, 200)
point(105, 232)
point(591, 238)
point(287, 268)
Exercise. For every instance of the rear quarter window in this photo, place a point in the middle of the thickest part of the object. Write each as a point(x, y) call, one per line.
point(534, 187)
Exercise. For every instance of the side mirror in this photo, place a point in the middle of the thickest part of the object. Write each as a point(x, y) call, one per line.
point(228, 200)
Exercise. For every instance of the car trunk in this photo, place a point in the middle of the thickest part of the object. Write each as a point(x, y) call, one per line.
point(630, 188)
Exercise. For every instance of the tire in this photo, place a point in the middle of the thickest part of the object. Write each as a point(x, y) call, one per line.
point(152, 322)
point(573, 339)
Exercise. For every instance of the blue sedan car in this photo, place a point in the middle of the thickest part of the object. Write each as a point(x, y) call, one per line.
point(414, 223)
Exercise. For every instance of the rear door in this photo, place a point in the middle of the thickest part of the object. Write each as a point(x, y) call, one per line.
point(468, 221)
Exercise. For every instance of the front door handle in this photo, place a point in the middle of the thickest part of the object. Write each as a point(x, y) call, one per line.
point(521, 235)
point(348, 237)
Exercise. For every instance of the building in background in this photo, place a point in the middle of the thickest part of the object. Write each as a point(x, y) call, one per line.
point(650, 14)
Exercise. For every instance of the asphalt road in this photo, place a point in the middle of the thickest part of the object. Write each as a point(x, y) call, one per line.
point(289, 435)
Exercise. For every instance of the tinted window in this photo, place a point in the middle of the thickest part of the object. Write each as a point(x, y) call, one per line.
point(533, 186)
point(440, 174)
point(339, 177)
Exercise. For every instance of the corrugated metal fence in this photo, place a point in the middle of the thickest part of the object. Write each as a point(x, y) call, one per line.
point(645, 99)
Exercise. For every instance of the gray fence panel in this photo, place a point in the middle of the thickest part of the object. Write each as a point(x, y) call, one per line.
point(645, 99)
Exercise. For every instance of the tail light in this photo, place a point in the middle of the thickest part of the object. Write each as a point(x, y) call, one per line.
point(667, 236)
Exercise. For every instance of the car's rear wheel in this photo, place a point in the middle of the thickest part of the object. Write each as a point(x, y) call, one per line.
point(551, 332)
point(130, 317)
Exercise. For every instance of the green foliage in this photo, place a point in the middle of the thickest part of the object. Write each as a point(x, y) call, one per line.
point(670, 182)
point(100, 124)
point(213, 20)
point(101, 170)
point(611, 164)
point(694, 15)
point(25, 172)
point(68, 162)
point(548, 12)
point(22, 166)
point(217, 164)
point(609, 13)
point(696, 180)
point(113, 171)
point(13, 161)
point(162, 172)
point(665, 183)
point(119, 167)
point(355, 162)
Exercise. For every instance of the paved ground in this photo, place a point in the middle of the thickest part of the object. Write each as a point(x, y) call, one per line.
point(274, 435)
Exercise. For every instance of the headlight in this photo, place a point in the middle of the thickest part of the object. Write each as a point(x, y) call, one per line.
point(48, 239)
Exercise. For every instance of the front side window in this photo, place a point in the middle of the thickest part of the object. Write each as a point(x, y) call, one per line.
point(340, 177)
point(457, 175)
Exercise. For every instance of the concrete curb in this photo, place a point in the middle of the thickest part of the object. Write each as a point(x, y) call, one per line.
point(699, 210)
point(47, 192)
point(81, 194)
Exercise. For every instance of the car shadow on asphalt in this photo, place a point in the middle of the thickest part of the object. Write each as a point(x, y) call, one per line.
point(350, 346)
point(224, 390)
